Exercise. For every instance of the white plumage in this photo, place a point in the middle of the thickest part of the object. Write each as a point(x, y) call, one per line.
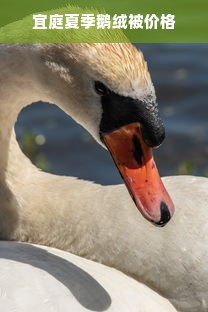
point(90, 220)
point(44, 279)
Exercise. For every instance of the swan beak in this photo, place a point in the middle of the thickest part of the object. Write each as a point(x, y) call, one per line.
point(136, 165)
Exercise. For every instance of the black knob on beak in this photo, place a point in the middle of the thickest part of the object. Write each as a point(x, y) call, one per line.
point(153, 134)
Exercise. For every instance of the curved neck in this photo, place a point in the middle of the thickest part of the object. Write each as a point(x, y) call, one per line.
point(46, 72)
point(26, 77)
point(28, 196)
point(36, 206)
point(19, 87)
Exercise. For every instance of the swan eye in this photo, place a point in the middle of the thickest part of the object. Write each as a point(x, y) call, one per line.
point(100, 88)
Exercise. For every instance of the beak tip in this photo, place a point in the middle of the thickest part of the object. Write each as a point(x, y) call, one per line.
point(165, 215)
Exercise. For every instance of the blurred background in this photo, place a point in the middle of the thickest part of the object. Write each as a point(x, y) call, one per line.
point(55, 143)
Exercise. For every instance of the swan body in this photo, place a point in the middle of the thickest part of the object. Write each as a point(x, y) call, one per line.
point(46, 279)
point(93, 221)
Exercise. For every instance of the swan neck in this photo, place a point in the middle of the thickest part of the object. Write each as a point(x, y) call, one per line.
point(21, 69)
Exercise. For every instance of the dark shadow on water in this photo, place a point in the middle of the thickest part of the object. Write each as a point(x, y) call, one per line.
point(88, 292)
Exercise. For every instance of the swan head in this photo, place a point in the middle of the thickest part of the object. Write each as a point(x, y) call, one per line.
point(113, 97)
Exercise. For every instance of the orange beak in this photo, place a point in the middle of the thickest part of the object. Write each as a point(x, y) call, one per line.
point(136, 165)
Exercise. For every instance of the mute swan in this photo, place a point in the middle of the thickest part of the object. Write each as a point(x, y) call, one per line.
point(90, 220)
point(37, 278)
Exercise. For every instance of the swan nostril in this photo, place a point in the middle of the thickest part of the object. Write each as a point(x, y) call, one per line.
point(165, 215)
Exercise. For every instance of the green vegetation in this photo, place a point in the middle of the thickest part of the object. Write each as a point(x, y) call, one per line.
point(189, 167)
point(186, 167)
point(30, 144)
point(191, 21)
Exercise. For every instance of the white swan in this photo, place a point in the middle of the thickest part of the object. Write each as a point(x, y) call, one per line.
point(37, 278)
point(94, 221)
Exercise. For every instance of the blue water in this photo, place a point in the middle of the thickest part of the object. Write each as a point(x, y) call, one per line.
point(180, 76)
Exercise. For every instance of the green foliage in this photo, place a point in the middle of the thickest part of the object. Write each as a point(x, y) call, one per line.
point(186, 167)
point(22, 31)
point(189, 167)
point(30, 144)
point(190, 16)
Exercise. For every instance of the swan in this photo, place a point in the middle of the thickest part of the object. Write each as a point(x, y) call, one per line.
point(98, 222)
point(38, 278)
